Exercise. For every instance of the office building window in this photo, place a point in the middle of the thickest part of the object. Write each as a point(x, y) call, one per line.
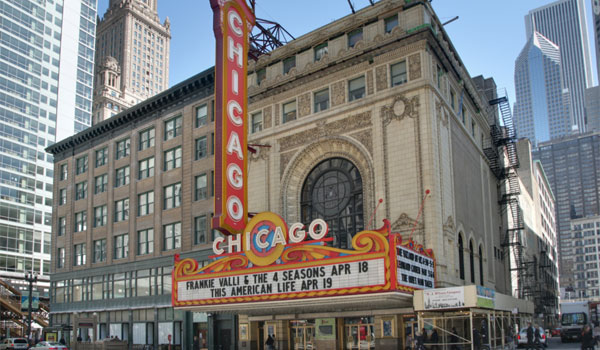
point(62, 196)
point(172, 158)
point(354, 37)
point(146, 241)
point(356, 88)
point(122, 210)
point(201, 146)
point(172, 196)
point(321, 100)
point(201, 187)
point(64, 172)
point(62, 226)
point(146, 168)
point(200, 228)
point(101, 157)
point(100, 183)
point(288, 64)
point(173, 128)
point(398, 73)
point(100, 214)
point(320, 51)
point(172, 236)
point(121, 246)
point(257, 122)
point(81, 190)
point(122, 176)
point(390, 23)
point(81, 221)
point(123, 148)
point(201, 115)
point(146, 203)
point(99, 250)
point(60, 261)
point(261, 74)
point(146, 139)
point(81, 165)
point(289, 111)
point(79, 254)
point(452, 100)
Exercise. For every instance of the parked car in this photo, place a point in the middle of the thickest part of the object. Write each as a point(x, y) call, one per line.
point(49, 345)
point(556, 332)
point(14, 344)
point(522, 337)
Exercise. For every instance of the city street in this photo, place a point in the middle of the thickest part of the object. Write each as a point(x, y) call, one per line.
point(555, 343)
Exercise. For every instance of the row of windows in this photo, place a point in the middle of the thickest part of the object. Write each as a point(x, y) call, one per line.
point(356, 90)
point(173, 128)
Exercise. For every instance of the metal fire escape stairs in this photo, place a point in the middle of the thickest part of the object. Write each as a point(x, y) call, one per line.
point(501, 151)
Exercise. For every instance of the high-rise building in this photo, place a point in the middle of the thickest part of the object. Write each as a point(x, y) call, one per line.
point(38, 39)
point(132, 56)
point(584, 256)
point(592, 108)
point(541, 109)
point(571, 165)
point(596, 18)
point(564, 23)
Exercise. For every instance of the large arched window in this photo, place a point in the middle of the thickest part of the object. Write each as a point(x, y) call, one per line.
point(480, 266)
point(461, 257)
point(333, 191)
point(472, 261)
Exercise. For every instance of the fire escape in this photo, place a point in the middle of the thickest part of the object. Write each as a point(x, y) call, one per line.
point(501, 151)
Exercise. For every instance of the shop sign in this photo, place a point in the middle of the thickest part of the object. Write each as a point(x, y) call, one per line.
point(270, 261)
point(414, 269)
point(486, 297)
point(444, 298)
point(232, 23)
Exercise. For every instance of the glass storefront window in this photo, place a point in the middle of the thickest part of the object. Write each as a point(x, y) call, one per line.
point(115, 330)
point(359, 333)
point(164, 330)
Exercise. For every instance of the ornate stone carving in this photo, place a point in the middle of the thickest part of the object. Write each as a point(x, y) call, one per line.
point(304, 105)
point(370, 86)
point(338, 93)
point(441, 113)
point(267, 116)
point(277, 114)
point(325, 129)
point(381, 78)
point(414, 66)
point(284, 159)
point(366, 138)
point(449, 225)
point(404, 223)
point(400, 108)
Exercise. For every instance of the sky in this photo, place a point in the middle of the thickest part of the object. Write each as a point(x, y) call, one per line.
point(488, 35)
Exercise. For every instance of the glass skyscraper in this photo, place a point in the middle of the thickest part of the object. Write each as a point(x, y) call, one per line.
point(572, 165)
point(564, 23)
point(541, 107)
point(39, 40)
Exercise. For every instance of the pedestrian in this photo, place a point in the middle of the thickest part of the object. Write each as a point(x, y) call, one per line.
point(434, 339)
point(421, 340)
point(454, 339)
point(537, 336)
point(587, 338)
point(596, 332)
point(476, 339)
point(530, 336)
point(62, 340)
point(196, 343)
point(270, 343)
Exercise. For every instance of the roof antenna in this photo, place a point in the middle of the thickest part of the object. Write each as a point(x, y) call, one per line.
point(351, 6)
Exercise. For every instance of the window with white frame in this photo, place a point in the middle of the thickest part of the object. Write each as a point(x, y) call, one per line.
point(289, 111)
point(356, 88)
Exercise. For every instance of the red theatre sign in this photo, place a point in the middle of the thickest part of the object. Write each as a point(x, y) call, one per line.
point(232, 24)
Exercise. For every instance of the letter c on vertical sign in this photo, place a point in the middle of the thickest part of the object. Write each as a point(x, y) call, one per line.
point(234, 18)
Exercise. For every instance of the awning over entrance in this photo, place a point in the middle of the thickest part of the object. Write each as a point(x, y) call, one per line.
point(364, 302)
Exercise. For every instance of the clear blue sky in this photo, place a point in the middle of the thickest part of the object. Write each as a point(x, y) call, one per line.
point(488, 35)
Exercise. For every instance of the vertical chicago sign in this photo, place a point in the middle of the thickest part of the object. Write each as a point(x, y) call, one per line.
point(232, 22)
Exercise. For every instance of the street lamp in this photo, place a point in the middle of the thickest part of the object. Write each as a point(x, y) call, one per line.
point(31, 278)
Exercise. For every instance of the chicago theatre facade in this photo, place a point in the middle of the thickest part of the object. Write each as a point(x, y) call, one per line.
point(368, 132)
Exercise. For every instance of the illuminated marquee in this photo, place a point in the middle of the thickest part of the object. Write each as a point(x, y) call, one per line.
point(232, 22)
point(271, 262)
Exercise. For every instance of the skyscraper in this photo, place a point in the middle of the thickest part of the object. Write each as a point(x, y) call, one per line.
point(541, 109)
point(572, 165)
point(132, 56)
point(596, 17)
point(38, 39)
point(564, 23)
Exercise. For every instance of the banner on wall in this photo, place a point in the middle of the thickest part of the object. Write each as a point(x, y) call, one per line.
point(271, 261)
point(445, 298)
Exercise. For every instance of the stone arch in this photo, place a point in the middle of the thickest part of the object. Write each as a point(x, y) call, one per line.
point(480, 256)
point(307, 158)
point(461, 255)
point(472, 259)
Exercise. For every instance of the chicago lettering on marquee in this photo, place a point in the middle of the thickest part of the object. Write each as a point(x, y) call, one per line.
point(270, 261)
point(232, 23)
